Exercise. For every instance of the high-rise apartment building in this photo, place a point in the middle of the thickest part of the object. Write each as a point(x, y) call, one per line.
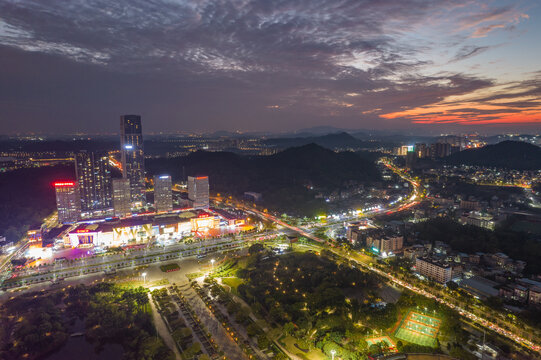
point(198, 191)
point(121, 197)
point(68, 203)
point(434, 270)
point(133, 159)
point(94, 180)
point(163, 193)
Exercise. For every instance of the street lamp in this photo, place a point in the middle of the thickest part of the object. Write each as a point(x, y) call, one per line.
point(144, 275)
point(212, 263)
point(332, 354)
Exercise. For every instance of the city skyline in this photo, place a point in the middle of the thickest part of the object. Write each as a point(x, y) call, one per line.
point(325, 180)
point(424, 67)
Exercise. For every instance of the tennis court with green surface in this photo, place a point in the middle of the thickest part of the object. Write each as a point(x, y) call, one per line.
point(419, 329)
point(384, 339)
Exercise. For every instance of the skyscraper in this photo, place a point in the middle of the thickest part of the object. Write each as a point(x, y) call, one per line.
point(121, 197)
point(163, 193)
point(198, 191)
point(94, 180)
point(68, 203)
point(133, 159)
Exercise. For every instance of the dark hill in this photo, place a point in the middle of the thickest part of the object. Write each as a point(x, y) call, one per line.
point(283, 178)
point(507, 154)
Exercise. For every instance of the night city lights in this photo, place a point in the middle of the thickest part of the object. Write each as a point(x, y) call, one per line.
point(270, 180)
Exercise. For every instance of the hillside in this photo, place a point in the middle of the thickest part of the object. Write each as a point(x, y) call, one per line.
point(27, 197)
point(507, 154)
point(283, 178)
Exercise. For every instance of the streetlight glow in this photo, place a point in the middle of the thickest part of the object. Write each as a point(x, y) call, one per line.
point(144, 275)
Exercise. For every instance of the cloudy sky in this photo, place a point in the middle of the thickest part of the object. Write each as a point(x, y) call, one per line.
point(270, 65)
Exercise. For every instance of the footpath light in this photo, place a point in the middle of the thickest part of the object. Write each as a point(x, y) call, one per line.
point(332, 354)
point(144, 275)
point(212, 263)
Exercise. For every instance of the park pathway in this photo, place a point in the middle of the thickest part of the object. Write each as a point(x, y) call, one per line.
point(162, 330)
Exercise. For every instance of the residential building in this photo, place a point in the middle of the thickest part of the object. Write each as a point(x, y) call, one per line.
point(121, 197)
point(198, 191)
point(94, 181)
point(68, 202)
point(434, 270)
point(385, 244)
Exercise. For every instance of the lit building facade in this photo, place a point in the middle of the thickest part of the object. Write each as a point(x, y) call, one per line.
point(434, 270)
point(94, 180)
point(67, 201)
point(385, 244)
point(121, 197)
point(138, 230)
point(163, 193)
point(133, 159)
point(198, 191)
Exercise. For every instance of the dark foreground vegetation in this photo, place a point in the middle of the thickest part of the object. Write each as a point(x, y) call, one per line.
point(37, 324)
point(321, 304)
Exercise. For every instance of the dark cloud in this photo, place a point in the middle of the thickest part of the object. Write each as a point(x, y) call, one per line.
point(468, 51)
point(212, 64)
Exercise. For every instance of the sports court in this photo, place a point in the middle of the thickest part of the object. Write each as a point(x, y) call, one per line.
point(419, 329)
point(384, 339)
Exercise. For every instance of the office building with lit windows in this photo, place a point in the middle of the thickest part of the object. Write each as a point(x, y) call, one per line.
point(198, 191)
point(121, 197)
point(67, 201)
point(163, 193)
point(94, 181)
point(132, 156)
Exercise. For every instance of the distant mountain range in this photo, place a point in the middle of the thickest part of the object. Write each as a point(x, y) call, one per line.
point(340, 140)
point(506, 154)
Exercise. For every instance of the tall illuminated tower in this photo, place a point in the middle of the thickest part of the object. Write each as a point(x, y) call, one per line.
point(133, 158)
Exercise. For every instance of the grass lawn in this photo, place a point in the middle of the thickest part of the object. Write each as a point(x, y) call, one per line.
point(170, 267)
point(289, 343)
point(233, 282)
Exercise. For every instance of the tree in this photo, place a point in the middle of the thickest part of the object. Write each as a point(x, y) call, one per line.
point(256, 248)
point(452, 285)
point(263, 342)
point(288, 328)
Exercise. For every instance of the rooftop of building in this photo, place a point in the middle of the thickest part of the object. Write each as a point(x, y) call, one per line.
point(434, 261)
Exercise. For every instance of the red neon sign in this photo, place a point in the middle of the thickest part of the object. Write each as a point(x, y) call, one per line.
point(82, 230)
point(63, 183)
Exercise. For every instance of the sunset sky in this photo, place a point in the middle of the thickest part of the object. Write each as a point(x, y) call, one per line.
point(428, 66)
